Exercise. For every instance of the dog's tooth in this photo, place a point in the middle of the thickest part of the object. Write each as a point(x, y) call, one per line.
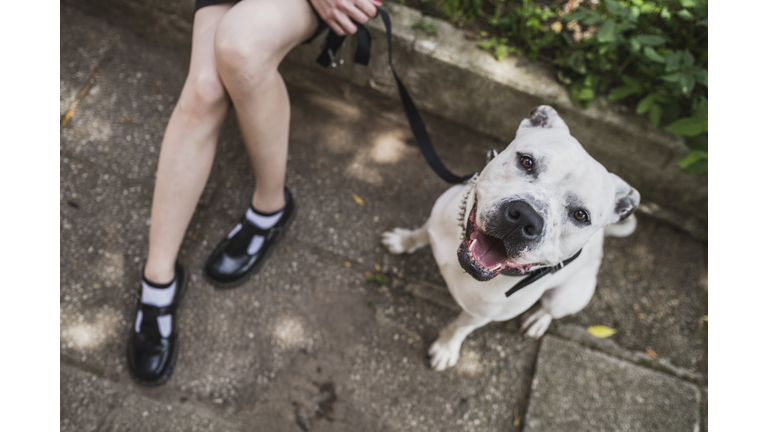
point(472, 245)
point(496, 268)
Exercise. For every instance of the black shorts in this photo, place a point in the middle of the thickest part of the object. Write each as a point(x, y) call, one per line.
point(321, 27)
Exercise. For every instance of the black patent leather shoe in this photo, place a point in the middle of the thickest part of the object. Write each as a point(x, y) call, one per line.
point(230, 264)
point(151, 356)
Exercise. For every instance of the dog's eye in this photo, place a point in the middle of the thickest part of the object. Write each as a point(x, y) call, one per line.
point(527, 162)
point(580, 215)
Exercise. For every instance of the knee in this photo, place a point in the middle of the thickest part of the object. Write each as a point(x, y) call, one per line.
point(244, 57)
point(203, 93)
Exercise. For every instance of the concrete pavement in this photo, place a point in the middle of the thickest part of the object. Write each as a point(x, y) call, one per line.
point(308, 343)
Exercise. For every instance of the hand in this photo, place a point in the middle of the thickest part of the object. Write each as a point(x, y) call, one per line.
point(338, 14)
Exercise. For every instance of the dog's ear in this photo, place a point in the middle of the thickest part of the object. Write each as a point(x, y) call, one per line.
point(544, 117)
point(626, 201)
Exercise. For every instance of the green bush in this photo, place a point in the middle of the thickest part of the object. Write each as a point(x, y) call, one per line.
point(650, 55)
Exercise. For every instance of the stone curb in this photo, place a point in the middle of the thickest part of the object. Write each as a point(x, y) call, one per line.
point(449, 76)
point(440, 296)
point(580, 335)
point(598, 392)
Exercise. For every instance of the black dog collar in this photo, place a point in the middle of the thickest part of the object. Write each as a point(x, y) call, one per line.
point(540, 273)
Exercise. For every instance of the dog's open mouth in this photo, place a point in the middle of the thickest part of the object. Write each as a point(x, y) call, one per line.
point(483, 256)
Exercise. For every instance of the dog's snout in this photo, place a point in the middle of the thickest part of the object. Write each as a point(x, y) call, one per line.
point(524, 220)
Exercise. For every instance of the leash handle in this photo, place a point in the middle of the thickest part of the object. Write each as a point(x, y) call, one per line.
point(419, 130)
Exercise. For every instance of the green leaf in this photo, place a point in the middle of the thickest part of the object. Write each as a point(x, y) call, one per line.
point(648, 7)
point(703, 107)
point(687, 3)
point(576, 15)
point(650, 40)
point(487, 44)
point(593, 17)
point(689, 126)
point(684, 14)
point(673, 62)
point(699, 142)
point(622, 27)
point(698, 167)
point(586, 94)
point(654, 115)
point(695, 162)
point(687, 83)
point(702, 23)
point(653, 55)
point(577, 62)
point(620, 93)
point(665, 13)
point(635, 45)
point(632, 82)
point(666, 99)
point(607, 30)
point(645, 104)
point(673, 78)
point(589, 81)
point(501, 52)
point(614, 8)
point(687, 59)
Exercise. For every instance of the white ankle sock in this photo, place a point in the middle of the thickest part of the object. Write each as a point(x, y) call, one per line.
point(157, 295)
point(260, 220)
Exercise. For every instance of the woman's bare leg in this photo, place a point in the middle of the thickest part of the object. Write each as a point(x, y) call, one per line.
point(251, 41)
point(188, 147)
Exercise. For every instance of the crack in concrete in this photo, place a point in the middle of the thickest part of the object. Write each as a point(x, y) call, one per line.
point(70, 113)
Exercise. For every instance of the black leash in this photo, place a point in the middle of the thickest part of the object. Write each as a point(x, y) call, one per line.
point(540, 273)
point(334, 43)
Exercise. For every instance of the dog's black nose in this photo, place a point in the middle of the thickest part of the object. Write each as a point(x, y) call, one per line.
point(523, 221)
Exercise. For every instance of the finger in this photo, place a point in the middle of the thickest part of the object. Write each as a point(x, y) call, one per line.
point(367, 7)
point(346, 23)
point(329, 18)
point(355, 14)
point(336, 27)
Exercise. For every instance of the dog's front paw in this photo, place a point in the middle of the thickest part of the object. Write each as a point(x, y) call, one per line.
point(536, 323)
point(398, 241)
point(443, 355)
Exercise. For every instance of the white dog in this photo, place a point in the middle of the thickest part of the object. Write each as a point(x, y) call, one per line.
point(541, 203)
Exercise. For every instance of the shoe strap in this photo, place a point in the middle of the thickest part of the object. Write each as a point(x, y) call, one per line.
point(152, 311)
point(268, 234)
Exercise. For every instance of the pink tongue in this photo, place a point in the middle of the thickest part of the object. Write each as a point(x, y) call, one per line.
point(489, 251)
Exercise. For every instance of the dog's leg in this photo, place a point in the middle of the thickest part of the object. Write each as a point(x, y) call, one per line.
point(444, 352)
point(558, 302)
point(401, 240)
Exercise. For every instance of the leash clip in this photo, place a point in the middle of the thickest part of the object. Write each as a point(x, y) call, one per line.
point(340, 53)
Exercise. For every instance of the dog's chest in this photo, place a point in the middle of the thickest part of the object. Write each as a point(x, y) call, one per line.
point(485, 298)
